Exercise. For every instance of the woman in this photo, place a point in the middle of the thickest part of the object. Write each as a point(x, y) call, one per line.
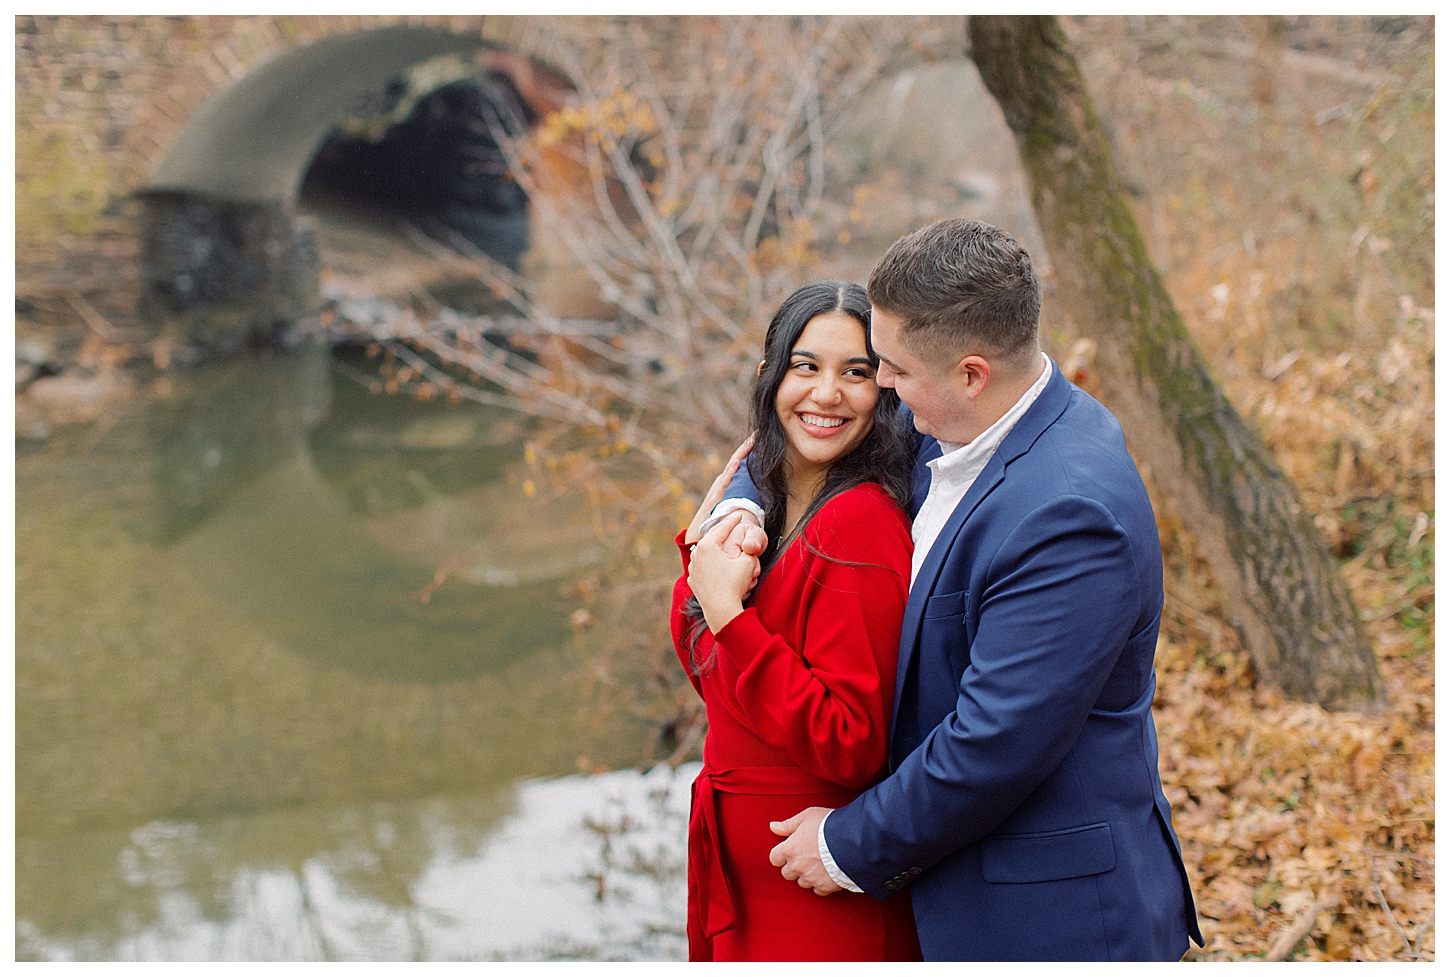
point(798, 687)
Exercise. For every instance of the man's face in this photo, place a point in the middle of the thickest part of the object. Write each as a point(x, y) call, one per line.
point(936, 394)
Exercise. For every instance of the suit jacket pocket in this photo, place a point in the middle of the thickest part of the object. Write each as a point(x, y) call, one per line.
point(1046, 856)
point(945, 605)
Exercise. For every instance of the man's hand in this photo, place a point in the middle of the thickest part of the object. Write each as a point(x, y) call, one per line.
point(799, 857)
point(747, 537)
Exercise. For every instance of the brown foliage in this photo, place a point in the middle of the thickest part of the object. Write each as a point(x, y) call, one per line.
point(1288, 206)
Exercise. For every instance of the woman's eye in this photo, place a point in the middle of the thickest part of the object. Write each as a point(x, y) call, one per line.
point(860, 372)
point(806, 364)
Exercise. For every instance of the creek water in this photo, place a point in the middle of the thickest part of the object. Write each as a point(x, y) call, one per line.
point(243, 733)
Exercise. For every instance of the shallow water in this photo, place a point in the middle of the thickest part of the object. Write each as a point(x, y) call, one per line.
point(252, 723)
point(570, 868)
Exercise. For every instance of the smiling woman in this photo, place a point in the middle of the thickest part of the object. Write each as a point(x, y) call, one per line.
point(826, 403)
point(798, 686)
point(821, 423)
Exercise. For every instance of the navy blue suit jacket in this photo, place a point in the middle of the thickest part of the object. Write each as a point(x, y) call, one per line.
point(1024, 808)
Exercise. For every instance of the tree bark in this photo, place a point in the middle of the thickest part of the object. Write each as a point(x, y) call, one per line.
point(1295, 613)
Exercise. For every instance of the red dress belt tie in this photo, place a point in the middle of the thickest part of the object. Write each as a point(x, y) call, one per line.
point(711, 902)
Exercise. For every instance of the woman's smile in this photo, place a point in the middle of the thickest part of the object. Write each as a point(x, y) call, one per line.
point(821, 426)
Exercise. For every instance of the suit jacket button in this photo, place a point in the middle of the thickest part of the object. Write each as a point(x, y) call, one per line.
point(916, 870)
point(891, 884)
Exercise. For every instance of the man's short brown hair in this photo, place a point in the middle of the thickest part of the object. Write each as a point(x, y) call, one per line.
point(960, 287)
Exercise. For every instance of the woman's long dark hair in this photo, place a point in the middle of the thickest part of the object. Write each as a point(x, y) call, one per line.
point(885, 456)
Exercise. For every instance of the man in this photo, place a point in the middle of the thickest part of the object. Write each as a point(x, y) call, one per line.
point(1024, 810)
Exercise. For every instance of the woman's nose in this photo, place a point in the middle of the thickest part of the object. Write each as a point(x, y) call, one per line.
point(826, 391)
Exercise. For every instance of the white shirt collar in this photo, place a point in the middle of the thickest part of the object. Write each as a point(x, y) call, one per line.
point(961, 460)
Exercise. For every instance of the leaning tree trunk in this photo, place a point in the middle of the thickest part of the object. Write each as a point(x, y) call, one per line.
point(1294, 609)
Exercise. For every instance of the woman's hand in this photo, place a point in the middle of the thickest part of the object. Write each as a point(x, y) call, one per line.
point(717, 491)
point(724, 567)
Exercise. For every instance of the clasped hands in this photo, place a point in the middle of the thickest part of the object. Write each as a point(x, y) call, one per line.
point(724, 568)
point(725, 562)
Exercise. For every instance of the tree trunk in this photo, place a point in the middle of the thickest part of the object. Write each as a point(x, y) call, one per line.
point(1295, 612)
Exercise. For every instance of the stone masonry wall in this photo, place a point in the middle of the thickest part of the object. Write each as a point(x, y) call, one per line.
point(100, 99)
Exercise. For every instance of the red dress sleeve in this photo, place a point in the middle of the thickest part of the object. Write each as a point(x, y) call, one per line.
point(679, 623)
point(827, 703)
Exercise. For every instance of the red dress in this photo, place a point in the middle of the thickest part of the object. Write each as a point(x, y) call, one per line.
point(798, 698)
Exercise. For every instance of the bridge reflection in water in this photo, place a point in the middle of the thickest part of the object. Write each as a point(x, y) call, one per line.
point(240, 734)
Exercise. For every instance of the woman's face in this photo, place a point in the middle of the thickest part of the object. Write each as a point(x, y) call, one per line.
point(827, 400)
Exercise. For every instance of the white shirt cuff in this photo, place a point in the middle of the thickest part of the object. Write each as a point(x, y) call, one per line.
point(728, 506)
point(832, 869)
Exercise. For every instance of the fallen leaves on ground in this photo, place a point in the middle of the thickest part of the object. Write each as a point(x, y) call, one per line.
point(1282, 172)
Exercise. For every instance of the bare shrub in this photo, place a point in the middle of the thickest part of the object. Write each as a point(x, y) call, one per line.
point(685, 174)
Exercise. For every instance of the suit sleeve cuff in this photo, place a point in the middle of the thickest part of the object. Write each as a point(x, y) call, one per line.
point(832, 869)
point(728, 506)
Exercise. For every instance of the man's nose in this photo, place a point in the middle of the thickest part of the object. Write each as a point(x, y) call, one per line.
point(885, 377)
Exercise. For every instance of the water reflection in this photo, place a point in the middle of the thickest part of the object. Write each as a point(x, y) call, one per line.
point(222, 425)
point(297, 517)
point(570, 868)
point(231, 628)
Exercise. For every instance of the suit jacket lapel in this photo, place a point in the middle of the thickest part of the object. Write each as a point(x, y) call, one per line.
point(929, 450)
point(1044, 411)
point(922, 589)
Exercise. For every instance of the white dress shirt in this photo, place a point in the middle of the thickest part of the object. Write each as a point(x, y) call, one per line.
point(952, 476)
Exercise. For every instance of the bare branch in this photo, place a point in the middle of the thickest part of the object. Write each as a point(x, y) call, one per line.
point(683, 193)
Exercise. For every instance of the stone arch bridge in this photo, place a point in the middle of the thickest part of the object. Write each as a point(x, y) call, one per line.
point(199, 132)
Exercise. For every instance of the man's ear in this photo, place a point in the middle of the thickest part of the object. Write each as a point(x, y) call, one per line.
point(972, 375)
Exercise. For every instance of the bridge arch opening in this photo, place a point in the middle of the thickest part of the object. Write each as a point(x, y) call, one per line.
point(398, 122)
point(426, 149)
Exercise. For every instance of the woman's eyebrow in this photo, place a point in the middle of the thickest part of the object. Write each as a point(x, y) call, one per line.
point(808, 354)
